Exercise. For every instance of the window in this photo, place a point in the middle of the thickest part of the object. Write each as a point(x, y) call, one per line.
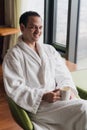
point(82, 39)
point(61, 27)
point(62, 21)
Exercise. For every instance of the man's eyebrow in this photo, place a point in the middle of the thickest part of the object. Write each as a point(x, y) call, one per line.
point(31, 24)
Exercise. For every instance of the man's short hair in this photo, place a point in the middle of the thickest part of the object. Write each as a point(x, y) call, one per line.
point(25, 16)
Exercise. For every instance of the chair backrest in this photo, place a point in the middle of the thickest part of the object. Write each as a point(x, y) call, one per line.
point(82, 93)
point(20, 115)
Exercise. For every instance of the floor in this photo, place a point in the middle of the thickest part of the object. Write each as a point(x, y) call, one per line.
point(82, 64)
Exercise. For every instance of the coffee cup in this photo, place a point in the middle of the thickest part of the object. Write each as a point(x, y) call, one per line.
point(65, 93)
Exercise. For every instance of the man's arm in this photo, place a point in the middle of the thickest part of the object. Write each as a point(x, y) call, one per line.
point(52, 96)
point(16, 87)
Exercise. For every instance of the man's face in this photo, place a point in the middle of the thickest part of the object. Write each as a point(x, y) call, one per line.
point(33, 30)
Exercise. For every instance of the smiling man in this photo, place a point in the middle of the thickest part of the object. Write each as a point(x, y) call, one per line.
point(31, 30)
point(33, 75)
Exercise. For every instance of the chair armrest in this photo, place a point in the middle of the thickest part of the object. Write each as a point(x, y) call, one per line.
point(82, 93)
point(20, 115)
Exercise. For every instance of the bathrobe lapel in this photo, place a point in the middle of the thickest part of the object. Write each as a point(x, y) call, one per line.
point(44, 63)
point(28, 50)
point(41, 59)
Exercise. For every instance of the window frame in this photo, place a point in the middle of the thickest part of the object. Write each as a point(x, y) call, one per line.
point(69, 51)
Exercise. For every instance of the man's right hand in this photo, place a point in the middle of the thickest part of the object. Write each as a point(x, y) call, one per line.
point(52, 96)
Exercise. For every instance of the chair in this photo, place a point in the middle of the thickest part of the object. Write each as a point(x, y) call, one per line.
point(82, 93)
point(20, 115)
point(22, 118)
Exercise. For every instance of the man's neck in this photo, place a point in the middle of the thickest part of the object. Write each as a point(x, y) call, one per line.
point(30, 44)
point(33, 46)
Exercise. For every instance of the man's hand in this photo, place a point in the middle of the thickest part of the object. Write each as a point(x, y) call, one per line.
point(52, 96)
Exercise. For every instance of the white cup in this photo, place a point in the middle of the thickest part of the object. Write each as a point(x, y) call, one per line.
point(65, 93)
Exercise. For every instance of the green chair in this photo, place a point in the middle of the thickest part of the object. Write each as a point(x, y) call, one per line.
point(82, 93)
point(22, 118)
point(20, 115)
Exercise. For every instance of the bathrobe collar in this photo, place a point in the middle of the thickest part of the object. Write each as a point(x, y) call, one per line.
point(30, 51)
point(42, 58)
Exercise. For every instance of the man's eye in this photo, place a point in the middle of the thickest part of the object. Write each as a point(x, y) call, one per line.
point(40, 27)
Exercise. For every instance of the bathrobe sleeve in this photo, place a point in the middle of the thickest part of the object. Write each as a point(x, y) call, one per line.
point(63, 75)
point(15, 85)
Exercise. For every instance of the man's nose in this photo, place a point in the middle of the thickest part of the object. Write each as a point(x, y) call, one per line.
point(37, 30)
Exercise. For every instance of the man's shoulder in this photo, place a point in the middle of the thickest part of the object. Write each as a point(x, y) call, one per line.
point(48, 47)
point(13, 52)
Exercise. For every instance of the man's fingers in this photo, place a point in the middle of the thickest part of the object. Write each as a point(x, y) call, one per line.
point(57, 93)
point(56, 99)
point(56, 90)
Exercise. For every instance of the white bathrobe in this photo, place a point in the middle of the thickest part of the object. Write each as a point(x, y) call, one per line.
point(27, 76)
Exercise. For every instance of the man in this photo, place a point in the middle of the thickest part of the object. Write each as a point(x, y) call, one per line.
point(33, 76)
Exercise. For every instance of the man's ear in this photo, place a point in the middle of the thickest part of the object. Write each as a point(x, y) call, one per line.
point(22, 27)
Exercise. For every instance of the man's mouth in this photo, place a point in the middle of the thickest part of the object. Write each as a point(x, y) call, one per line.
point(36, 36)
